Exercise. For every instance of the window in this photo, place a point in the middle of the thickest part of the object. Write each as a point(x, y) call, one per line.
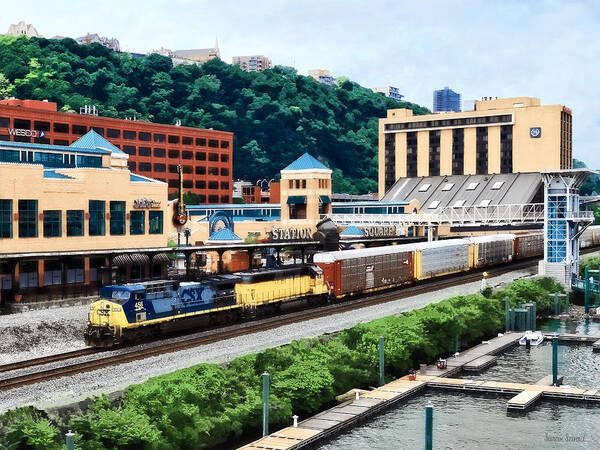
point(200, 184)
point(187, 140)
point(459, 203)
point(112, 133)
point(213, 171)
point(303, 184)
point(144, 151)
point(158, 137)
point(60, 142)
point(291, 184)
point(224, 172)
point(297, 184)
point(156, 222)
point(28, 218)
point(79, 129)
point(201, 142)
point(224, 144)
point(89, 161)
point(22, 124)
point(52, 225)
point(188, 184)
point(128, 134)
point(173, 168)
point(173, 139)
point(213, 185)
point(485, 202)
point(75, 271)
point(224, 185)
point(159, 167)
point(188, 169)
point(97, 217)
point(144, 136)
point(145, 167)
point(74, 222)
point(434, 204)
point(497, 185)
point(200, 170)
point(5, 218)
point(129, 149)
point(224, 158)
point(174, 154)
point(9, 156)
point(472, 186)
point(137, 221)
point(200, 156)
point(52, 272)
point(424, 187)
point(131, 166)
point(224, 199)
point(213, 157)
point(213, 143)
point(5, 122)
point(159, 152)
point(187, 155)
point(99, 130)
point(117, 218)
point(61, 128)
point(448, 186)
point(41, 126)
point(202, 198)
point(213, 198)
point(174, 183)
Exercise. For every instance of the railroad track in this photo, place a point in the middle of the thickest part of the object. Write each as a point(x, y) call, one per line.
point(241, 329)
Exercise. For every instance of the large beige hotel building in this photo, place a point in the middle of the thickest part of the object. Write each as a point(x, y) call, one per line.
point(499, 136)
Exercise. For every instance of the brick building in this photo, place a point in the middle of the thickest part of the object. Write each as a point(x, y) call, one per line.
point(154, 149)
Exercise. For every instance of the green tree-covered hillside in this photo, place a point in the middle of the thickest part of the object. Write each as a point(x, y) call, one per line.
point(276, 115)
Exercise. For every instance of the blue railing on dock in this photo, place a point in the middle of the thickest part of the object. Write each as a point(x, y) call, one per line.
point(589, 284)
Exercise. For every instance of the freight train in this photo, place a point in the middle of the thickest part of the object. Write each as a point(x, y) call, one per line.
point(133, 312)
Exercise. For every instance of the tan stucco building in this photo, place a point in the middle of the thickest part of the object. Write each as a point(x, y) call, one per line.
point(500, 136)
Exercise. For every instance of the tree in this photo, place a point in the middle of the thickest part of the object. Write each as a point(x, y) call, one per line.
point(7, 89)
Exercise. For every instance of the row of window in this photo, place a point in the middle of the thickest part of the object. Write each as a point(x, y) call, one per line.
point(159, 167)
point(301, 184)
point(174, 154)
point(52, 220)
point(49, 159)
point(483, 120)
point(111, 133)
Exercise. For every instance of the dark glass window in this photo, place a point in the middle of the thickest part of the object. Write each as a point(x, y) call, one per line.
point(173, 153)
point(213, 143)
point(113, 133)
point(200, 156)
point(6, 218)
point(200, 184)
point(132, 166)
point(74, 222)
point(224, 172)
point(202, 198)
point(213, 185)
point(200, 170)
point(156, 222)
point(144, 136)
point(224, 185)
point(173, 168)
point(5, 123)
point(4, 137)
point(187, 169)
point(174, 183)
point(117, 218)
point(187, 140)
point(41, 126)
point(9, 156)
point(60, 142)
point(61, 127)
point(390, 160)
point(52, 225)
point(224, 158)
point(99, 130)
point(224, 199)
point(159, 152)
point(411, 154)
point(129, 149)
point(188, 184)
point(187, 155)
point(213, 156)
point(159, 167)
point(458, 151)
point(213, 171)
point(224, 144)
point(21, 139)
point(481, 150)
point(128, 134)
point(22, 124)
point(434, 153)
point(41, 140)
point(145, 167)
point(213, 198)
point(79, 129)
point(144, 151)
point(173, 139)
point(137, 221)
point(506, 149)
point(89, 161)
point(28, 218)
point(97, 221)
point(158, 137)
point(201, 142)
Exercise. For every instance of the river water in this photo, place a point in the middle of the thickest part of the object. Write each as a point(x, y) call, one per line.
point(475, 421)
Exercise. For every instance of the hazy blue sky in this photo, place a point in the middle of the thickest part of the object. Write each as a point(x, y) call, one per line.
point(547, 49)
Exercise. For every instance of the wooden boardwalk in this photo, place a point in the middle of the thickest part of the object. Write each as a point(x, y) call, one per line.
point(334, 420)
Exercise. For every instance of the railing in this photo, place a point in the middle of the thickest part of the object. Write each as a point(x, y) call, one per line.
point(581, 216)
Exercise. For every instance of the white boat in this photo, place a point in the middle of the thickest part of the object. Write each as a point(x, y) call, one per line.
point(534, 338)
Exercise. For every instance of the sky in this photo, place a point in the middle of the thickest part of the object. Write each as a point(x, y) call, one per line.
point(544, 48)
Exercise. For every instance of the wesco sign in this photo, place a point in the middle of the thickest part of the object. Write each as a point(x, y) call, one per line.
point(26, 133)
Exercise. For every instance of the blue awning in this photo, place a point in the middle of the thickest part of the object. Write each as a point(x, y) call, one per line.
point(296, 200)
point(324, 199)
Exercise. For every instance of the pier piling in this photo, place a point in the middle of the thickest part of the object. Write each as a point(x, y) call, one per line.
point(265, 399)
point(429, 426)
point(381, 361)
point(555, 361)
point(70, 440)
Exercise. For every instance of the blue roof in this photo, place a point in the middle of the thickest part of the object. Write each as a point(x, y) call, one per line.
point(134, 177)
point(352, 230)
point(225, 234)
point(93, 141)
point(306, 162)
point(53, 174)
point(56, 148)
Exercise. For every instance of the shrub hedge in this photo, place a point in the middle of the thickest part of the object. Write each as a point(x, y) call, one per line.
point(206, 404)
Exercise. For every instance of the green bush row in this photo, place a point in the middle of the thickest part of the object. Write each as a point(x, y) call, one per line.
point(207, 404)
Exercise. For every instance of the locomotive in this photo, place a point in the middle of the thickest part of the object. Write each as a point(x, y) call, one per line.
point(133, 312)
